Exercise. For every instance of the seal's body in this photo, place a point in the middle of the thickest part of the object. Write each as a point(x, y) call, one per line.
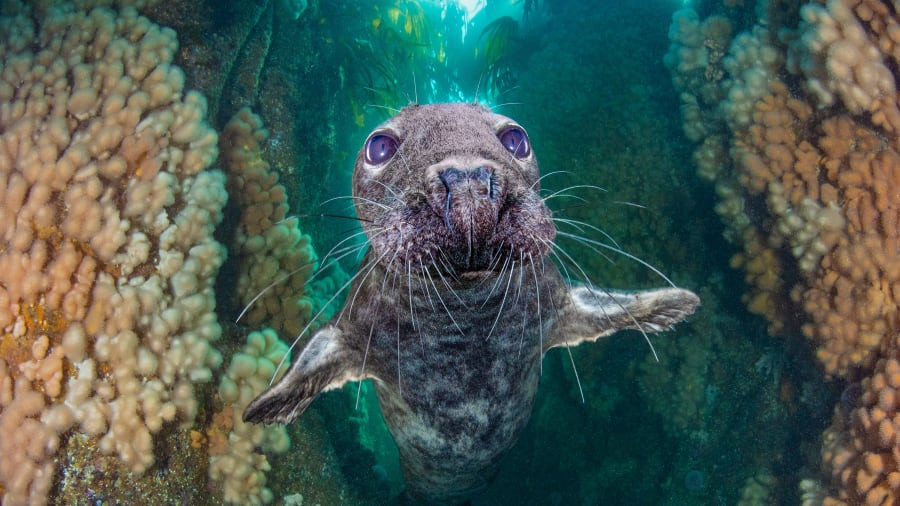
point(456, 302)
point(455, 399)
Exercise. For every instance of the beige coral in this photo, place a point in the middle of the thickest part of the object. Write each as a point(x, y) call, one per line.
point(106, 251)
point(837, 57)
point(275, 259)
point(236, 467)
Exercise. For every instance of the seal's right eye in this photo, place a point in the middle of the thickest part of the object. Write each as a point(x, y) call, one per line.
point(380, 148)
point(515, 141)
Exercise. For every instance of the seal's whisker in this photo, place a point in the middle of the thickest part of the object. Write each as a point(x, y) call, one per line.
point(340, 315)
point(565, 195)
point(593, 287)
point(621, 252)
point(425, 285)
point(391, 110)
point(573, 223)
point(574, 187)
point(391, 190)
point(323, 215)
point(447, 284)
point(416, 326)
point(562, 265)
point(441, 300)
point(626, 203)
point(325, 261)
point(537, 293)
point(492, 107)
point(399, 382)
point(335, 256)
point(377, 231)
point(412, 313)
point(349, 308)
point(503, 301)
point(575, 370)
point(388, 269)
point(478, 87)
point(400, 197)
point(268, 287)
point(362, 369)
point(495, 259)
point(578, 224)
point(547, 175)
point(521, 274)
point(569, 351)
point(507, 90)
point(496, 282)
point(595, 250)
point(524, 321)
point(447, 267)
point(341, 254)
point(316, 317)
point(354, 197)
point(516, 302)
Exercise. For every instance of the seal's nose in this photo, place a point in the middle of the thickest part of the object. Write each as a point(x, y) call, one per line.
point(469, 201)
point(477, 182)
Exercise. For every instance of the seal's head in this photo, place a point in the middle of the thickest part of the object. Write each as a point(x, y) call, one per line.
point(451, 187)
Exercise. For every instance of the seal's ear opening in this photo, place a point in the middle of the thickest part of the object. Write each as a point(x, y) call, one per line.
point(323, 365)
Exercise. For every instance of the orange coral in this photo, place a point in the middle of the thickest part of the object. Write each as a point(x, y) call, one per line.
point(832, 205)
point(763, 271)
point(218, 430)
point(852, 301)
point(860, 450)
point(813, 199)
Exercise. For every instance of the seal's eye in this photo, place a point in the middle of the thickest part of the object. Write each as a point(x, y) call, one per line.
point(380, 148)
point(515, 141)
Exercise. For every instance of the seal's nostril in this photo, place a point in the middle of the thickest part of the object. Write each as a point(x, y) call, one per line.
point(481, 174)
point(479, 182)
point(451, 177)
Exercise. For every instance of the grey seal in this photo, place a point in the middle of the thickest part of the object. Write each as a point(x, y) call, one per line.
point(457, 300)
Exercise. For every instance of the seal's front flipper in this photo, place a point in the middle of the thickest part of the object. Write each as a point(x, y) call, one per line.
point(324, 364)
point(591, 313)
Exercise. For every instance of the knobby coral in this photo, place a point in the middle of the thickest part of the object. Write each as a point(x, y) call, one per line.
point(808, 178)
point(274, 258)
point(236, 465)
point(107, 256)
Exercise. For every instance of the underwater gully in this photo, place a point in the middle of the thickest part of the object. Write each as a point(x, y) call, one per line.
point(217, 216)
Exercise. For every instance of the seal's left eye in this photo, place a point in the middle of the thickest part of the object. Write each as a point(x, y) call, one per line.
point(380, 148)
point(515, 141)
